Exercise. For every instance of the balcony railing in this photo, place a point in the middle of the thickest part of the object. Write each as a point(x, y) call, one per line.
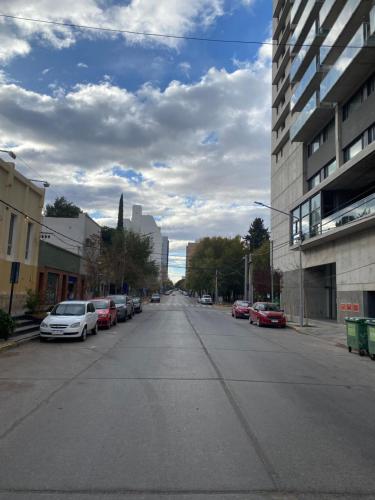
point(343, 62)
point(306, 79)
point(355, 211)
point(337, 28)
point(306, 45)
point(307, 11)
point(372, 21)
point(325, 10)
point(294, 9)
point(304, 115)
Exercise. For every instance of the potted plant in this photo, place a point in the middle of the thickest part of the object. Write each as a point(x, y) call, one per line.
point(7, 325)
point(32, 302)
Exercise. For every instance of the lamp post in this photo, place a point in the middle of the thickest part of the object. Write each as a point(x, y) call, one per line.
point(301, 284)
point(10, 153)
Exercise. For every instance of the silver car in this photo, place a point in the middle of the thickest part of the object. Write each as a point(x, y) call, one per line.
point(124, 306)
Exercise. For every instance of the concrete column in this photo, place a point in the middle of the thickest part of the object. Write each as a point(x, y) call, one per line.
point(338, 136)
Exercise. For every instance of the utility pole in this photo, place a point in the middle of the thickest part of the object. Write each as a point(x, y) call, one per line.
point(246, 282)
point(250, 297)
point(216, 288)
point(271, 268)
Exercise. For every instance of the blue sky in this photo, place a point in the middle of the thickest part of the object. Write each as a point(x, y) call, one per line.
point(182, 127)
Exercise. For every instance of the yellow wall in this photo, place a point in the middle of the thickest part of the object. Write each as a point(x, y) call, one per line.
point(16, 191)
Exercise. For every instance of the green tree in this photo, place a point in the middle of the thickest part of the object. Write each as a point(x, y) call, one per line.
point(62, 208)
point(257, 234)
point(221, 255)
point(120, 218)
point(181, 284)
point(262, 273)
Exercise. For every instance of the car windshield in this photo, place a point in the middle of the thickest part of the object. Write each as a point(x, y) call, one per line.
point(69, 310)
point(206, 296)
point(136, 299)
point(118, 300)
point(242, 303)
point(268, 307)
point(101, 304)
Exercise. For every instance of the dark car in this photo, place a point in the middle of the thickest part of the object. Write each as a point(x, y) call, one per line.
point(240, 309)
point(137, 303)
point(267, 314)
point(124, 306)
point(107, 314)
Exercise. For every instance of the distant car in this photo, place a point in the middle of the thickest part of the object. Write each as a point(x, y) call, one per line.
point(240, 309)
point(155, 297)
point(206, 299)
point(70, 319)
point(137, 303)
point(267, 314)
point(124, 306)
point(107, 312)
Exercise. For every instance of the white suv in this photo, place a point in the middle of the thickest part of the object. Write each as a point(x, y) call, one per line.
point(206, 299)
point(70, 319)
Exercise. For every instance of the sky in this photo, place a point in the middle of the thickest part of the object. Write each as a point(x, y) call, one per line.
point(181, 127)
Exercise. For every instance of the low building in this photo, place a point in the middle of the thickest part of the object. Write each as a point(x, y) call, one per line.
point(59, 276)
point(164, 259)
point(21, 204)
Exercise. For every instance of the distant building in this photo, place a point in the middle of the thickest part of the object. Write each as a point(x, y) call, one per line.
point(146, 225)
point(190, 249)
point(164, 259)
point(20, 216)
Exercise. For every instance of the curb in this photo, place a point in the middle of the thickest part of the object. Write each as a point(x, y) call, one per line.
point(10, 344)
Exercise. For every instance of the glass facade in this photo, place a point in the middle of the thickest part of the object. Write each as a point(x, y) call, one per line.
point(372, 21)
point(342, 63)
point(306, 219)
point(325, 10)
point(304, 115)
point(302, 21)
point(355, 211)
point(306, 79)
point(337, 28)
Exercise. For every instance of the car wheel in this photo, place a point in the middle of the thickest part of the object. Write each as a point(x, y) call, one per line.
point(83, 336)
point(94, 331)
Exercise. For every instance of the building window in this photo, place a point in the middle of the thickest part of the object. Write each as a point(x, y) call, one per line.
point(359, 97)
point(315, 215)
point(371, 134)
point(309, 216)
point(28, 240)
point(314, 181)
point(318, 140)
point(353, 149)
point(12, 230)
point(330, 168)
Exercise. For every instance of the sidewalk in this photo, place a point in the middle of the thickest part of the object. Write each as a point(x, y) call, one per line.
point(328, 331)
point(17, 340)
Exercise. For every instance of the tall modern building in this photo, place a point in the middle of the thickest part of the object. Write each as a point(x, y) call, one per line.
point(164, 259)
point(323, 155)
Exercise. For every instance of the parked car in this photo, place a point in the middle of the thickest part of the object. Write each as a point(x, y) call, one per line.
point(205, 299)
point(240, 309)
point(137, 303)
point(107, 312)
point(70, 319)
point(124, 306)
point(155, 297)
point(267, 313)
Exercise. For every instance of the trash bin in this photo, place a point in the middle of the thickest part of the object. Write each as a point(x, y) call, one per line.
point(356, 334)
point(370, 323)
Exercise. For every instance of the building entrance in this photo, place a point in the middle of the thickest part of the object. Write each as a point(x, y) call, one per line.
point(320, 292)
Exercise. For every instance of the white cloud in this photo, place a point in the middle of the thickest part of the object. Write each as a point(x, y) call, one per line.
point(179, 17)
point(82, 65)
point(76, 137)
point(45, 71)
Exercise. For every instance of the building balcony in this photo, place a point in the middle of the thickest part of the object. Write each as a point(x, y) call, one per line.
point(310, 120)
point(279, 118)
point(303, 26)
point(281, 140)
point(279, 70)
point(305, 87)
point(344, 28)
point(278, 91)
point(280, 21)
point(279, 6)
point(328, 13)
point(309, 49)
point(281, 44)
point(355, 63)
point(296, 10)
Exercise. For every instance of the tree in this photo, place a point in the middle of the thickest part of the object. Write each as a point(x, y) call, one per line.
point(224, 255)
point(257, 234)
point(120, 218)
point(262, 273)
point(62, 208)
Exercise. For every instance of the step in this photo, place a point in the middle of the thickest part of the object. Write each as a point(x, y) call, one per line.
point(26, 329)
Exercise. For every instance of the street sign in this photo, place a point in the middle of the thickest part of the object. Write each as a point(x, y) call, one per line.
point(14, 272)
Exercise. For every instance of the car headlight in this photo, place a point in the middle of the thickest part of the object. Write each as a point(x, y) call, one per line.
point(44, 324)
point(75, 325)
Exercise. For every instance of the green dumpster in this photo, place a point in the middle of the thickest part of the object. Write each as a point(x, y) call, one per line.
point(356, 334)
point(371, 337)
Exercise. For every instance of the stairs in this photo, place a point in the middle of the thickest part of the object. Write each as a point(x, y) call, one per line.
point(25, 325)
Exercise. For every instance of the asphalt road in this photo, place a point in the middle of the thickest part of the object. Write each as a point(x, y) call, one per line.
point(185, 402)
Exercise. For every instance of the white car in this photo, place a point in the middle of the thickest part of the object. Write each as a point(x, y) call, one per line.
point(206, 299)
point(70, 319)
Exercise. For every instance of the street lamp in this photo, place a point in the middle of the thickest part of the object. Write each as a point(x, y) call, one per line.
point(10, 153)
point(45, 183)
point(301, 290)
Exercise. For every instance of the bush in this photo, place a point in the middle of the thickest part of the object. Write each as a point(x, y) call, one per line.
point(32, 301)
point(7, 325)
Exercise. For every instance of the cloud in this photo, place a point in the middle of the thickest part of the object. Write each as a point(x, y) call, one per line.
point(179, 17)
point(96, 141)
point(82, 65)
point(185, 68)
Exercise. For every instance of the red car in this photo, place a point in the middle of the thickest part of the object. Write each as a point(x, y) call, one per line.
point(107, 312)
point(240, 309)
point(267, 314)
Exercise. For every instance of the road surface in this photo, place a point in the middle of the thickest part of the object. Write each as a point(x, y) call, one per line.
point(186, 402)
